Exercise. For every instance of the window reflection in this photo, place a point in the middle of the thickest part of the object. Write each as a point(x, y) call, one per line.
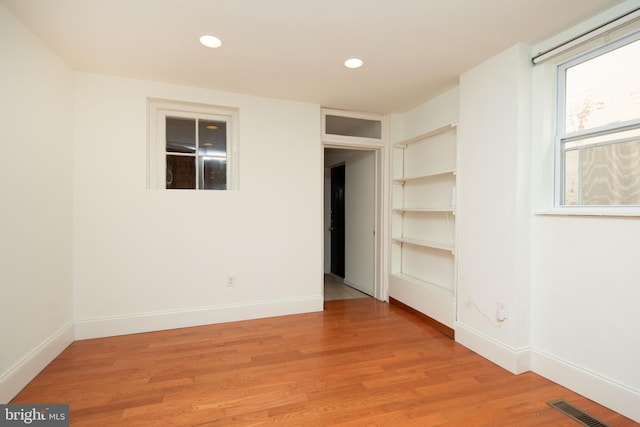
point(212, 137)
point(181, 172)
point(210, 144)
point(181, 135)
point(213, 173)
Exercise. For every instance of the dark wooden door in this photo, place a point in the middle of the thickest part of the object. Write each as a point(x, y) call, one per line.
point(337, 220)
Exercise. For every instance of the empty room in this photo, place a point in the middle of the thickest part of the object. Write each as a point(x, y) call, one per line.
point(246, 212)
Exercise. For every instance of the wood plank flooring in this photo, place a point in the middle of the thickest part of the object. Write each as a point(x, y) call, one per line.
point(360, 362)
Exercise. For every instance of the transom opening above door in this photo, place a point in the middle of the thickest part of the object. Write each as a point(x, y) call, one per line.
point(338, 125)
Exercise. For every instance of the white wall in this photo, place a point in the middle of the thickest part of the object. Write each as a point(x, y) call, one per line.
point(36, 197)
point(585, 317)
point(435, 113)
point(571, 282)
point(151, 259)
point(494, 208)
point(586, 276)
point(360, 221)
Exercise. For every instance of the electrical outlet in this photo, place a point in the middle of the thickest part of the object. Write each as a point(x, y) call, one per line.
point(231, 281)
point(503, 311)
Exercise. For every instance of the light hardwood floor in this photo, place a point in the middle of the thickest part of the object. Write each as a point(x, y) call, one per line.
point(360, 362)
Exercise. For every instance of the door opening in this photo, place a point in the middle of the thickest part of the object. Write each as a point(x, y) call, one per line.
point(337, 221)
point(359, 141)
point(351, 213)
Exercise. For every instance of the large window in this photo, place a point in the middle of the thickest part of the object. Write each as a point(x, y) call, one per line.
point(192, 147)
point(598, 144)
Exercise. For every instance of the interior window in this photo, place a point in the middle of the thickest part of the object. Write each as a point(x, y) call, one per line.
point(353, 126)
point(191, 147)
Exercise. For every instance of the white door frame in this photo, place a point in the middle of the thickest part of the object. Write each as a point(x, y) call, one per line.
point(381, 191)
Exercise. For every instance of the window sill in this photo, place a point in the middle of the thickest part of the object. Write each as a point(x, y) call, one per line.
point(609, 212)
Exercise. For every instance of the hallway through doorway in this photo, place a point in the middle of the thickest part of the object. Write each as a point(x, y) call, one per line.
point(335, 289)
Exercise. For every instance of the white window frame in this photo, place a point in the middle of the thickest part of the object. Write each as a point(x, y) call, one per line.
point(609, 129)
point(159, 110)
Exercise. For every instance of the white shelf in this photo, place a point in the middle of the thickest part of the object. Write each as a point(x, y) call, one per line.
point(433, 132)
point(424, 210)
point(423, 265)
point(429, 175)
point(425, 244)
point(421, 282)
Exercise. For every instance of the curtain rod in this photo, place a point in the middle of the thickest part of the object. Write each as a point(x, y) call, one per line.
point(587, 36)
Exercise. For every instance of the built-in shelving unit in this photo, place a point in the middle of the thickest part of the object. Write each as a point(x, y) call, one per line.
point(423, 223)
point(415, 178)
point(402, 210)
point(426, 244)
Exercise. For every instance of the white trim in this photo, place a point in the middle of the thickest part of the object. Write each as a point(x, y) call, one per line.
point(610, 211)
point(382, 190)
point(382, 221)
point(148, 322)
point(159, 109)
point(606, 391)
point(514, 360)
point(19, 375)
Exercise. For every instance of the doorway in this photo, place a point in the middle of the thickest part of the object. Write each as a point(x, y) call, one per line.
point(350, 220)
point(336, 225)
point(364, 136)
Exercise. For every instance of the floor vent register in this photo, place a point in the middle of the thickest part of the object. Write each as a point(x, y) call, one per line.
point(577, 414)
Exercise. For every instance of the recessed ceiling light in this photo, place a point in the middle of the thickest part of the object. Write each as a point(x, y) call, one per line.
point(353, 63)
point(210, 41)
point(212, 127)
point(207, 144)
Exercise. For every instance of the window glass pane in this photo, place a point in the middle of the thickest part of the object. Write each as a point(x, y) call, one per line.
point(601, 173)
point(191, 146)
point(603, 90)
point(611, 174)
point(181, 172)
point(350, 126)
point(180, 135)
point(212, 138)
point(213, 173)
point(572, 178)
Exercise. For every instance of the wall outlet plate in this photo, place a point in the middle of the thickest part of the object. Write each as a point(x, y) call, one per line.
point(503, 311)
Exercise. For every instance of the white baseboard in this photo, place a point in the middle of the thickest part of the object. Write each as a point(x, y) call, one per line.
point(605, 391)
point(514, 360)
point(14, 380)
point(147, 322)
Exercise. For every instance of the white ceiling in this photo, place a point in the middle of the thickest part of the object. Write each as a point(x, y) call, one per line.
point(294, 49)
